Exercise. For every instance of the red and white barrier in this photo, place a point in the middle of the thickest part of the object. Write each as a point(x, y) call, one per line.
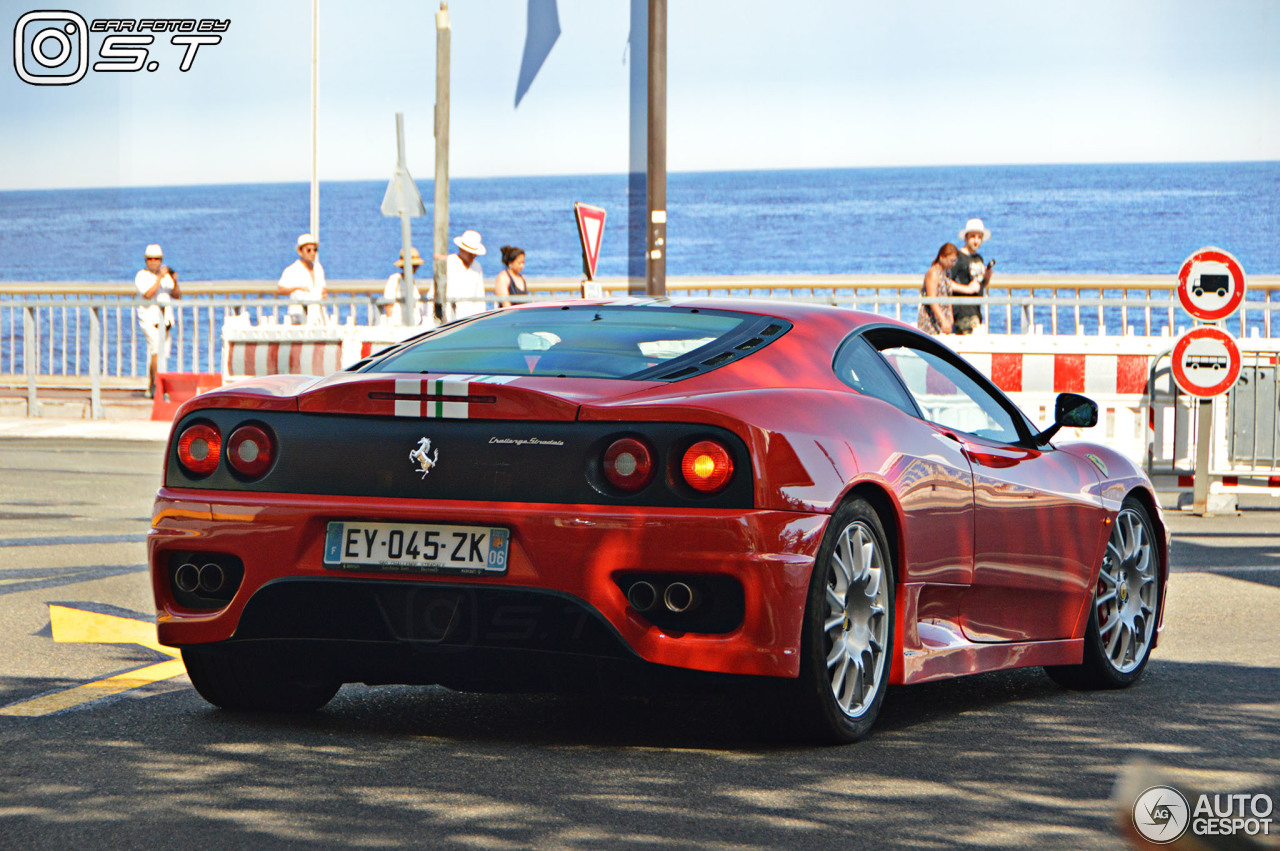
point(250, 351)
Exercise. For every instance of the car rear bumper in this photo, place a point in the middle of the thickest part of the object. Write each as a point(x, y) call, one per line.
point(562, 593)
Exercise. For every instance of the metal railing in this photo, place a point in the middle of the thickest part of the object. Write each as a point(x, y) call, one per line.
point(87, 335)
point(1244, 439)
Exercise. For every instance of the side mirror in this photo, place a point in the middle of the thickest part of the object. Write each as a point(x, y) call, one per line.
point(1072, 411)
point(1075, 411)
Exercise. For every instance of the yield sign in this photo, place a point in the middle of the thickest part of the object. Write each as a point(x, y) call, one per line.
point(590, 231)
point(402, 196)
point(1206, 362)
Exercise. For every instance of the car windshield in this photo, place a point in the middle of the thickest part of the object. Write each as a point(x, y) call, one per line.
point(598, 341)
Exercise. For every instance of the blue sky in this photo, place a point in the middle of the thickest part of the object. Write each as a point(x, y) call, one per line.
point(753, 84)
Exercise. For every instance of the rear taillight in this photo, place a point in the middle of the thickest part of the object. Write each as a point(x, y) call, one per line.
point(250, 451)
point(706, 466)
point(628, 464)
point(199, 446)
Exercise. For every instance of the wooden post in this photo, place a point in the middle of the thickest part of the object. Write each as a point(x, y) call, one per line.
point(440, 233)
point(656, 183)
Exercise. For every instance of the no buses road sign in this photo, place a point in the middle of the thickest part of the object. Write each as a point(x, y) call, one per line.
point(1211, 284)
point(1206, 362)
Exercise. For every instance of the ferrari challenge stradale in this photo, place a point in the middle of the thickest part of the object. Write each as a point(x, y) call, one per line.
point(816, 500)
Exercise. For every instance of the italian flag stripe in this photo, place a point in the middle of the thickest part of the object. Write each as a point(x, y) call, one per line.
point(449, 385)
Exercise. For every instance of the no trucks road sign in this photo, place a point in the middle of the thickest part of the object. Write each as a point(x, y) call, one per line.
point(1206, 362)
point(1211, 284)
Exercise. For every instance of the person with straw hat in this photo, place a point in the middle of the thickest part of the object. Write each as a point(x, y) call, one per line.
point(391, 312)
point(303, 282)
point(464, 278)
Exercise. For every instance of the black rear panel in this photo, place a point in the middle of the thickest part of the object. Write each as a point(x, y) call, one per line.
point(482, 460)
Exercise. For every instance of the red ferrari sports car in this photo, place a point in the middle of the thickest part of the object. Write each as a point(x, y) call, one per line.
point(817, 500)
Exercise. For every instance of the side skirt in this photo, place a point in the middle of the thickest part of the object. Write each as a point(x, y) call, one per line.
point(937, 649)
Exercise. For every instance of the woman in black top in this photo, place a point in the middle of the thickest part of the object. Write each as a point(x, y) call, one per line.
point(510, 282)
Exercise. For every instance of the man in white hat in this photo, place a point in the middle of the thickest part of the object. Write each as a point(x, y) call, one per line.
point(391, 311)
point(158, 284)
point(303, 282)
point(463, 277)
point(967, 269)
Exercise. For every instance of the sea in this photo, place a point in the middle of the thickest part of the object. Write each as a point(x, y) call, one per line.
point(1111, 219)
point(1075, 219)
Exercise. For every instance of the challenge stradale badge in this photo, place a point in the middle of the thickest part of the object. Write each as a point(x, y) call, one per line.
point(424, 457)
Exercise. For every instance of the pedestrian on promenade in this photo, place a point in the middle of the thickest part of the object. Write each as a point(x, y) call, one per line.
point(158, 284)
point(465, 278)
point(937, 318)
point(969, 269)
point(510, 281)
point(391, 312)
point(303, 282)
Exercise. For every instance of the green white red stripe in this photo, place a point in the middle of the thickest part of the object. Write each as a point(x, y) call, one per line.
point(436, 407)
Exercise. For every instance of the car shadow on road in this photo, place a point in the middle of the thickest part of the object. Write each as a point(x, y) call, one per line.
point(972, 761)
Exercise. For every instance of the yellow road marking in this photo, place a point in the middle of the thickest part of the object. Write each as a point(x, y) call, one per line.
point(84, 627)
point(45, 704)
point(77, 625)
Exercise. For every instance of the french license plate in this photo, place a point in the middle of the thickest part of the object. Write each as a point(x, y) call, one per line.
point(416, 547)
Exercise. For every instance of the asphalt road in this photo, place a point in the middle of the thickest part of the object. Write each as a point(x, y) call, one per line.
point(995, 760)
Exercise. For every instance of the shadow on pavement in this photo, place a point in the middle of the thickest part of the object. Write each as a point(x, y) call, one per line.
point(964, 762)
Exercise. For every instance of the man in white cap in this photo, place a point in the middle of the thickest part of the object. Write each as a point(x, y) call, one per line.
point(303, 282)
point(158, 284)
point(967, 269)
point(464, 277)
point(391, 312)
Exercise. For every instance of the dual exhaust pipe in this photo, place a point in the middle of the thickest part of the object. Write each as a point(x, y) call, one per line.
point(207, 580)
point(678, 597)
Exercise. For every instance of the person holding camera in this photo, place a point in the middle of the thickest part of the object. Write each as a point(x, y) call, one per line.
point(158, 284)
point(968, 269)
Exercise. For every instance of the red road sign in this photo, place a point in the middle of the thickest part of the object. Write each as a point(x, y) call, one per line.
point(590, 231)
point(1211, 284)
point(1206, 362)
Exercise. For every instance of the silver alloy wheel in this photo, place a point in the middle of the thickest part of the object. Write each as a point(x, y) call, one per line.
point(857, 621)
point(1126, 598)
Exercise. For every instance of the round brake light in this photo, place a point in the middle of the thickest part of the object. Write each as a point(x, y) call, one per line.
point(250, 451)
point(628, 464)
point(199, 447)
point(706, 466)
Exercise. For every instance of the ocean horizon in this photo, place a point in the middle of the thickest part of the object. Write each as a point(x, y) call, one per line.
point(1071, 219)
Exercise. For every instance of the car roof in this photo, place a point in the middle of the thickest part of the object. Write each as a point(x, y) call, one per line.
point(793, 311)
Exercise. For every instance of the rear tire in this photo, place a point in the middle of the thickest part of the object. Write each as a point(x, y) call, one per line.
point(1124, 610)
point(247, 679)
point(847, 637)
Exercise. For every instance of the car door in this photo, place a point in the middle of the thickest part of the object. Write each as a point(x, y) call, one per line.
point(1037, 525)
point(929, 475)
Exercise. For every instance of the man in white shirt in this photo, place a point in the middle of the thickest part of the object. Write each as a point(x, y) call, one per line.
point(158, 284)
point(465, 278)
point(303, 283)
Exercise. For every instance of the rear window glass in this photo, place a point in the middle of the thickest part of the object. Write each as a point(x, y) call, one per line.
point(590, 341)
